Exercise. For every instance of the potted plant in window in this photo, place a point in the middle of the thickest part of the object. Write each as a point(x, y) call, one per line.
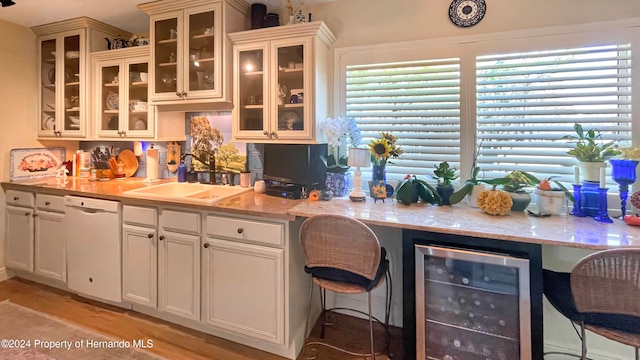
point(515, 185)
point(410, 189)
point(591, 151)
point(550, 196)
point(444, 174)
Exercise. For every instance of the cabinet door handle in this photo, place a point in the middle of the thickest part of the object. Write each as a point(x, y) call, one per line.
point(161, 237)
point(150, 236)
point(266, 133)
point(124, 133)
point(178, 94)
point(206, 245)
point(47, 203)
point(274, 134)
point(27, 214)
point(15, 198)
point(240, 230)
point(184, 94)
point(34, 214)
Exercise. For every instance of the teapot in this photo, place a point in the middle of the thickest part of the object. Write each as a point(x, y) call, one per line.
point(118, 43)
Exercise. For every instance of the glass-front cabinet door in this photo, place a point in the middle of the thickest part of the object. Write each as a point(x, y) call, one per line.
point(48, 88)
point(165, 53)
point(121, 94)
point(203, 51)
point(251, 91)
point(290, 114)
point(61, 90)
point(186, 53)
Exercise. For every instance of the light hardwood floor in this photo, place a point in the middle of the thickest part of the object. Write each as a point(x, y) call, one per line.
point(170, 341)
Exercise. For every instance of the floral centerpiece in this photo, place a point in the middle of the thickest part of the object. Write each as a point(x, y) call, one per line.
point(337, 131)
point(382, 149)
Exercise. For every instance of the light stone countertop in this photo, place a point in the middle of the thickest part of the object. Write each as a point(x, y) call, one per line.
point(458, 219)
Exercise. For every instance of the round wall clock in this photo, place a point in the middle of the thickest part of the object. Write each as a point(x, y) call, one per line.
point(465, 13)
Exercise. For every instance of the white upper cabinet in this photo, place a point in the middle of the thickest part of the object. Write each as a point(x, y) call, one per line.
point(64, 76)
point(120, 93)
point(281, 79)
point(190, 51)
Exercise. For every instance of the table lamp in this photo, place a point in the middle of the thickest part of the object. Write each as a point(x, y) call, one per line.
point(358, 157)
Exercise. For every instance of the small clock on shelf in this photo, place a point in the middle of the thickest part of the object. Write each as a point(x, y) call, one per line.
point(465, 13)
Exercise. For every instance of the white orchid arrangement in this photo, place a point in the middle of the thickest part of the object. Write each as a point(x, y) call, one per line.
point(337, 131)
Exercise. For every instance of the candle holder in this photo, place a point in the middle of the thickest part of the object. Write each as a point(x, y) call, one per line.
point(603, 216)
point(577, 205)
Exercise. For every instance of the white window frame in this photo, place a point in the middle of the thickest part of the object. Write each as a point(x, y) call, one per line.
point(468, 48)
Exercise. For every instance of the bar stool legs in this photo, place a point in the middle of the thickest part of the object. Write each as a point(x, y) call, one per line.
point(311, 352)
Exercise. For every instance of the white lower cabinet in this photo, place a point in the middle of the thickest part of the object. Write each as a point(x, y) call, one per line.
point(50, 249)
point(140, 265)
point(244, 285)
point(140, 255)
point(179, 264)
point(19, 235)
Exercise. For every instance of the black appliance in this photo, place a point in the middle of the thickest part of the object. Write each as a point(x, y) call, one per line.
point(288, 168)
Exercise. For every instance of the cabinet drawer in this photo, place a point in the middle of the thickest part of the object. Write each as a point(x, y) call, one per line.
point(181, 221)
point(138, 215)
point(50, 203)
point(20, 198)
point(250, 230)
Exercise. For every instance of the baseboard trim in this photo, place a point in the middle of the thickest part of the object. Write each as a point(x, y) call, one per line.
point(593, 353)
point(4, 274)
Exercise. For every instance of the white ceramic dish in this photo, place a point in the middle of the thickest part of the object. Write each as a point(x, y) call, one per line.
point(72, 54)
point(48, 123)
point(74, 119)
point(140, 125)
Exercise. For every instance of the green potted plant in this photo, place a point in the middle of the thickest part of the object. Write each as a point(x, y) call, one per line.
point(444, 174)
point(410, 189)
point(591, 151)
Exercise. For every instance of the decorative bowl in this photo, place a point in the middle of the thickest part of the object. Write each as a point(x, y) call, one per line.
point(74, 119)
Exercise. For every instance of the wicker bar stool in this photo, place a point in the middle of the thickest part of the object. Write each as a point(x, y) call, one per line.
point(600, 295)
point(343, 255)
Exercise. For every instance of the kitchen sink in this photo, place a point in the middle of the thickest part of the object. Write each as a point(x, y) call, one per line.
point(194, 193)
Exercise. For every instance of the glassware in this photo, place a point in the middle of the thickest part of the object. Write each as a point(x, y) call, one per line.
point(577, 205)
point(602, 215)
point(590, 198)
point(623, 172)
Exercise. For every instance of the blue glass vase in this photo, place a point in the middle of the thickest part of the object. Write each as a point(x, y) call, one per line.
point(378, 172)
point(623, 172)
point(590, 198)
point(337, 183)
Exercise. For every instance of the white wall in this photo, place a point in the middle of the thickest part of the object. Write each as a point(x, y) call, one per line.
point(361, 22)
point(18, 104)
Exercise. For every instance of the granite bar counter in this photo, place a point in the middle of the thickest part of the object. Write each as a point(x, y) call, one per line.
point(459, 219)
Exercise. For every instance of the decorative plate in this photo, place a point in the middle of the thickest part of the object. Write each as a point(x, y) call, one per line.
point(31, 163)
point(465, 13)
point(113, 101)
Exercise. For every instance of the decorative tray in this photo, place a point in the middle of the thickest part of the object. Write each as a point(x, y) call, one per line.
point(32, 163)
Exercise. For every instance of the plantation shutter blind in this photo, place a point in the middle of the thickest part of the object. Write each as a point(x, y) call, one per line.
point(418, 102)
point(526, 103)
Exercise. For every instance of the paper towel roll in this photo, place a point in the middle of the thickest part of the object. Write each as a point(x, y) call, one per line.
point(152, 164)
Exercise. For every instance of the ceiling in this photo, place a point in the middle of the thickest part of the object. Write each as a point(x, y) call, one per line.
point(119, 13)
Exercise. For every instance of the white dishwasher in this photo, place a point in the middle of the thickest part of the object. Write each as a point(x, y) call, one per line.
point(93, 247)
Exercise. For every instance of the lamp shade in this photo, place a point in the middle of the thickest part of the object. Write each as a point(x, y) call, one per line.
point(359, 157)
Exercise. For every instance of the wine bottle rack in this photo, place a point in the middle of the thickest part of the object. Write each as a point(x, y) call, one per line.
point(471, 305)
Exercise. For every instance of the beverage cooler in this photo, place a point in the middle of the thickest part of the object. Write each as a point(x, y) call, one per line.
point(472, 298)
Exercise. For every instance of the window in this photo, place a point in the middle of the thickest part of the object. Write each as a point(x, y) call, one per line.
point(515, 94)
point(526, 103)
point(418, 102)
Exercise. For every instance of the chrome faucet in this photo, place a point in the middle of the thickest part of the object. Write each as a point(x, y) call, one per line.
point(211, 164)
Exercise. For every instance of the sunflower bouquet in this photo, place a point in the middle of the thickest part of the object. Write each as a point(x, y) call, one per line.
point(383, 148)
